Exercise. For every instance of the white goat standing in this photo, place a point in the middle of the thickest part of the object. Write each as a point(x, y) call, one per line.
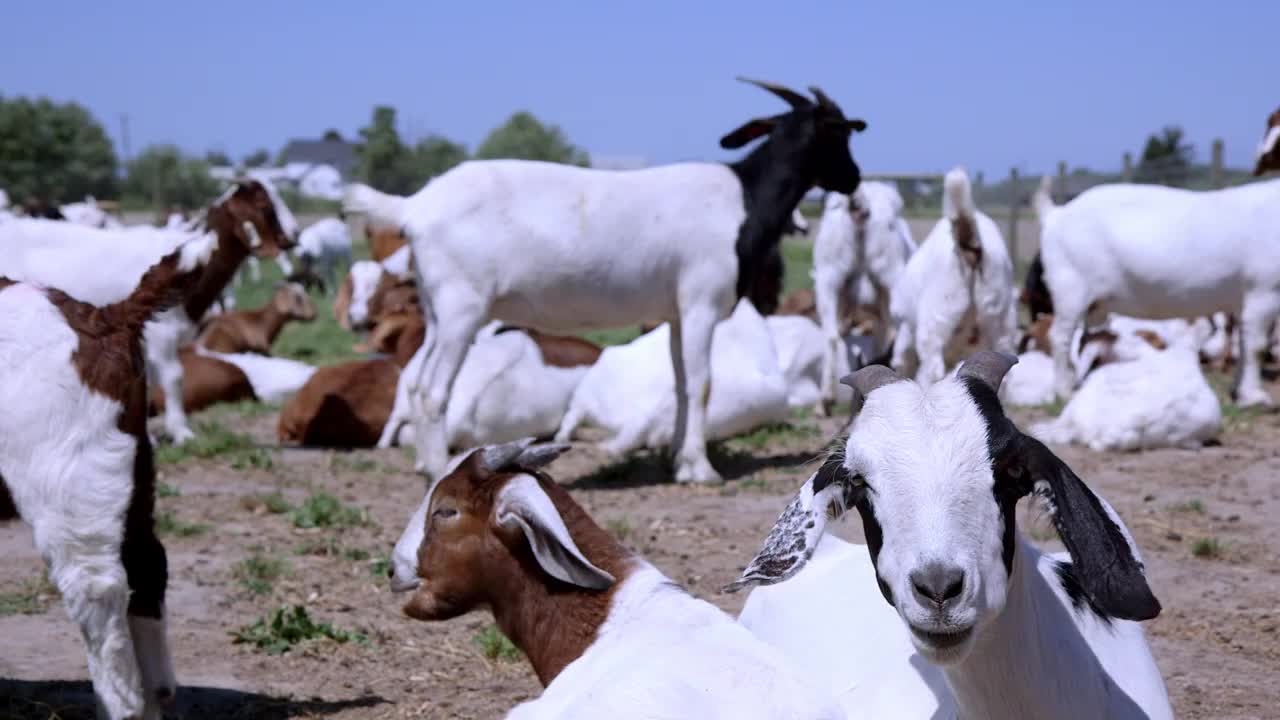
point(862, 248)
point(89, 214)
point(1159, 252)
point(628, 391)
point(325, 243)
point(935, 474)
point(961, 279)
point(561, 248)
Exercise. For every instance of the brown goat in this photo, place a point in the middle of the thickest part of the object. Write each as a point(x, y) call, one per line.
point(385, 241)
point(255, 330)
point(343, 405)
point(205, 381)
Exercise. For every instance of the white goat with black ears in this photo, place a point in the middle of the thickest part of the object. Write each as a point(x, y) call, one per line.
point(561, 248)
point(960, 281)
point(936, 475)
point(862, 247)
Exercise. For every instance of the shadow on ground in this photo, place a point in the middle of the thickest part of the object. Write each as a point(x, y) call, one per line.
point(73, 700)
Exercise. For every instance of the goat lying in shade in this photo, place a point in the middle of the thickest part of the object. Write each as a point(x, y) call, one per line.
point(936, 475)
point(75, 462)
point(607, 633)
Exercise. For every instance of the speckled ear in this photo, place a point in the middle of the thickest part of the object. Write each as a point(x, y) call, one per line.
point(795, 535)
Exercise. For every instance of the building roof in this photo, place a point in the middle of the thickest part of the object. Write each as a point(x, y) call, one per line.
point(338, 153)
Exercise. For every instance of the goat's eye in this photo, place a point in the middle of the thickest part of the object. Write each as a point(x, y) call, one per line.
point(444, 513)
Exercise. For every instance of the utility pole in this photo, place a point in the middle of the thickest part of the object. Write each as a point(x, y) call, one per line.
point(124, 137)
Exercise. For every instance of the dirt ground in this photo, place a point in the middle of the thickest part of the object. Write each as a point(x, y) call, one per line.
point(1216, 641)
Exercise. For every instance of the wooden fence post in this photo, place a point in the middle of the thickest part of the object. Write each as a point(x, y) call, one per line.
point(1062, 193)
point(1015, 199)
point(1127, 174)
point(1215, 167)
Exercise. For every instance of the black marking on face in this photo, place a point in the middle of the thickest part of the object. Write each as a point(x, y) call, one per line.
point(1066, 573)
point(1009, 486)
point(875, 540)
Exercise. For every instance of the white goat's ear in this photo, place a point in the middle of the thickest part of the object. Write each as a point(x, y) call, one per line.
point(522, 504)
point(795, 535)
point(1105, 558)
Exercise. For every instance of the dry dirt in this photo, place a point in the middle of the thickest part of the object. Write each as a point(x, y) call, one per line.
point(1217, 641)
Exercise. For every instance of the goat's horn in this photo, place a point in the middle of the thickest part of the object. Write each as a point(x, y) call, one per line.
point(987, 366)
point(822, 98)
point(869, 378)
point(792, 98)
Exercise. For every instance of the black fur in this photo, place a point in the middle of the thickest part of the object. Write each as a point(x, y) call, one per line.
point(1039, 300)
point(145, 563)
point(1066, 573)
point(1000, 435)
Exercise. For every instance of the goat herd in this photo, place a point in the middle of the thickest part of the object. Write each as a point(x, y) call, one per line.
point(947, 611)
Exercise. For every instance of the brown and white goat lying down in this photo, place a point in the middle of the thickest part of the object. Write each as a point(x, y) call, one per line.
point(255, 330)
point(76, 464)
point(607, 633)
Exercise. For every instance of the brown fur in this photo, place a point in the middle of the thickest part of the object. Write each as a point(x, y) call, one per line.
point(565, 350)
point(342, 303)
point(800, 301)
point(255, 330)
point(386, 334)
point(343, 405)
point(1153, 339)
point(1036, 336)
point(393, 296)
point(965, 233)
point(205, 381)
point(468, 561)
point(410, 339)
point(385, 241)
point(1270, 161)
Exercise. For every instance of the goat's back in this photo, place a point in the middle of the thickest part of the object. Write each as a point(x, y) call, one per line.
point(343, 405)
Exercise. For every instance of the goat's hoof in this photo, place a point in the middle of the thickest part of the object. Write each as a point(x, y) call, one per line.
point(1254, 398)
point(700, 473)
point(181, 435)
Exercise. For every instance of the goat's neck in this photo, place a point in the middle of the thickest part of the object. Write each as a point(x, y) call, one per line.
point(774, 183)
point(271, 320)
point(222, 265)
point(1029, 661)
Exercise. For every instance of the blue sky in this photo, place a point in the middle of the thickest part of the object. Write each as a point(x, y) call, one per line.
point(988, 85)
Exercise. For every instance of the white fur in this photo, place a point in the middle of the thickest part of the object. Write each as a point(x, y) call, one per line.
point(1268, 141)
point(273, 379)
point(801, 349)
point(562, 248)
point(1159, 252)
point(861, 250)
point(89, 214)
point(326, 242)
point(938, 298)
point(1030, 382)
point(70, 472)
point(630, 391)
point(365, 275)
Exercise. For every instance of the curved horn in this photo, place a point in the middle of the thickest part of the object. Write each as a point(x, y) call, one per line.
point(987, 366)
point(822, 98)
point(870, 378)
point(792, 98)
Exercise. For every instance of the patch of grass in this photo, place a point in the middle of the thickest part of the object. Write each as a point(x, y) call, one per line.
point(283, 628)
point(1053, 409)
point(755, 483)
point(339, 463)
point(168, 524)
point(319, 342)
point(165, 490)
point(355, 554)
point(212, 440)
point(324, 510)
point(257, 573)
point(1190, 506)
point(613, 336)
point(251, 408)
point(380, 567)
point(797, 254)
point(322, 547)
point(31, 598)
point(1206, 548)
point(1235, 417)
point(777, 433)
point(620, 528)
point(495, 646)
point(274, 503)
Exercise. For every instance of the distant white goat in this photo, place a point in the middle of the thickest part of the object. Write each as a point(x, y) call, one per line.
point(498, 532)
point(936, 475)
point(629, 391)
point(1159, 252)
point(862, 248)
point(958, 283)
point(89, 214)
point(324, 245)
point(561, 248)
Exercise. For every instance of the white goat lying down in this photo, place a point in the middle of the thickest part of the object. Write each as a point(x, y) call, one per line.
point(959, 281)
point(273, 379)
point(104, 266)
point(75, 463)
point(607, 633)
point(630, 391)
point(561, 248)
point(936, 475)
point(1159, 252)
point(861, 249)
point(498, 367)
point(1141, 392)
point(801, 350)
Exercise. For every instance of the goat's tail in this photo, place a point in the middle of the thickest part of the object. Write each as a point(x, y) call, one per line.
point(1042, 200)
point(379, 207)
point(957, 205)
point(163, 285)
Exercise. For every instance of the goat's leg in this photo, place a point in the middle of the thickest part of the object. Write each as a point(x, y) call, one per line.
point(931, 351)
point(1260, 309)
point(691, 359)
point(402, 408)
point(147, 570)
point(904, 344)
point(1066, 320)
point(89, 575)
point(456, 326)
point(165, 368)
point(826, 295)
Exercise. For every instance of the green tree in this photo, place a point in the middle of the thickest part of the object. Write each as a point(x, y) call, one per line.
point(332, 135)
point(257, 158)
point(217, 157)
point(523, 136)
point(163, 176)
point(1166, 158)
point(435, 155)
point(385, 163)
point(57, 152)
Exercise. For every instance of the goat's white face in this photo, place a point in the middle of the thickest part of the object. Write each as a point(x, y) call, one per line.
point(936, 475)
point(365, 275)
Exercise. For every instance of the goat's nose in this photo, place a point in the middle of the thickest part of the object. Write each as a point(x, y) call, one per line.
point(937, 583)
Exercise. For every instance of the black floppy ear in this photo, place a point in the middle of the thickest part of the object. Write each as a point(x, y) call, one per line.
point(795, 535)
point(1104, 556)
point(753, 129)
